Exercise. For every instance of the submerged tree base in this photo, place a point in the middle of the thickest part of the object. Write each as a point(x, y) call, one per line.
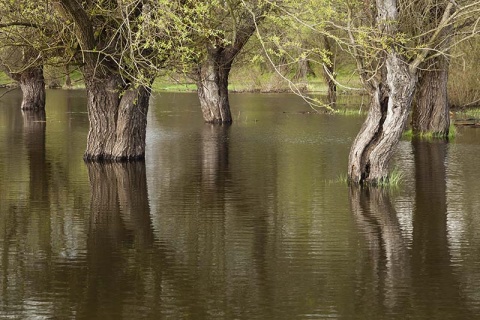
point(430, 135)
point(88, 158)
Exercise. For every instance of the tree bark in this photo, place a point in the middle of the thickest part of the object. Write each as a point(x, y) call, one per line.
point(329, 73)
point(373, 147)
point(212, 73)
point(32, 83)
point(118, 120)
point(392, 91)
point(431, 109)
point(117, 110)
point(212, 87)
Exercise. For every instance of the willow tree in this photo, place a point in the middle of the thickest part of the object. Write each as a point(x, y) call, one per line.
point(25, 46)
point(430, 112)
point(116, 78)
point(389, 66)
point(218, 38)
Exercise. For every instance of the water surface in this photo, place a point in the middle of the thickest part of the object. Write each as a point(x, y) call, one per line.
point(231, 222)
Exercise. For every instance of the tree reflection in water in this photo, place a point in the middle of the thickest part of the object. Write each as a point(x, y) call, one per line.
point(433, 274)
point(378, 222)
point(120, 233)
point(34, 127)
point(419, 276)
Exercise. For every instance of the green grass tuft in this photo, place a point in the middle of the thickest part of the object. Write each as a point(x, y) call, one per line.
point(393, 180)
point(471, 113)
point(430, 135)
point(350, 112)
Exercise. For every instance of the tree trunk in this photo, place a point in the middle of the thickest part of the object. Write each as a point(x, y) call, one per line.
point(304, 70)
point(212, 88)
point(117, 110)
point(374, 145)
point(32, 84)
point(431, 110)
point(118, 120)
point(68, 79)
point(329, 73)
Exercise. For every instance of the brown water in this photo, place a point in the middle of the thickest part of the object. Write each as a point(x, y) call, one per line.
point(239, 222)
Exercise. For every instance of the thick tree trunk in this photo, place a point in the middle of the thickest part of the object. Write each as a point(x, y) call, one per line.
point(431, 110)
point(374, 145)
point(118, 120)
point(212, 87)
point(32, 84)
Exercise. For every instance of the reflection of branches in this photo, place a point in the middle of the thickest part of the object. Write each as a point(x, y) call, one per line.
point(379, 224)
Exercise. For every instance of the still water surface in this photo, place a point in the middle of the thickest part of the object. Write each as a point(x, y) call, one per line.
point(239, 222)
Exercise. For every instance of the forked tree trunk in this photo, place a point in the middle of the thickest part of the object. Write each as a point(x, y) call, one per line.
point(373, 147)
point(118, 120)
point(212, 73)
point(32, 84)
point(212, 87)
point(431, 110)
point(117, 111)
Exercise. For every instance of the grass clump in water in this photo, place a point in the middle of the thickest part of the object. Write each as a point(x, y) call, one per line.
point(471, 113)
point(430, 135)
point(350, 112)
point(393, 180)
point(342, 179)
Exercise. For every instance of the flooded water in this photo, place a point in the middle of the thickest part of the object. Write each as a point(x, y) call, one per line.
point(247, 221)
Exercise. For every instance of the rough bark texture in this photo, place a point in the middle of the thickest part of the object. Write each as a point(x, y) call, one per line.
point(212, 73)
point(118, 121)
point(431, 109)
point(212, 87)
point(392, 94)
point(374, 145)
point(32, 84)
point(117, 110)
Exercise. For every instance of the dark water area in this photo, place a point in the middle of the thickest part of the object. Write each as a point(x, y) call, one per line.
point(246, 221)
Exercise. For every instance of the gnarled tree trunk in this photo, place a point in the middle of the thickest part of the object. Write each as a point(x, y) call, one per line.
point(431, 110)
point(374, 145)
point(212, 87)
point(392, 93)
point(118, 120)
point(117, 110)
point(32, 83)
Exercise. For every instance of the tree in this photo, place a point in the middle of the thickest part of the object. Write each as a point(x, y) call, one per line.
point(219, 39)
point(391, 79)
point(117, 106)
point(431, 107)
point(22, 45)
